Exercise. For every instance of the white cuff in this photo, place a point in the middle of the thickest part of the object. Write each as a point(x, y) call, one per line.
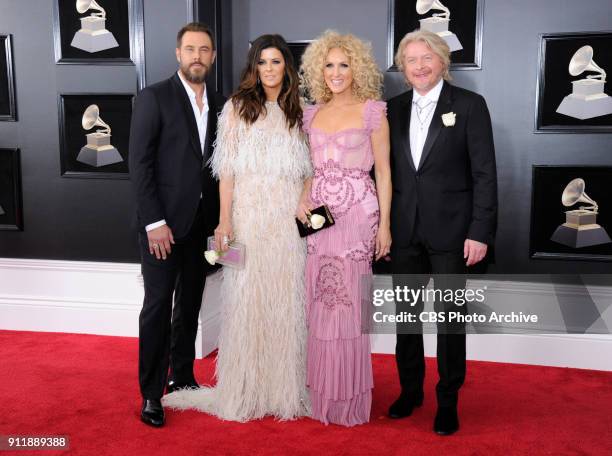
point(152, 226)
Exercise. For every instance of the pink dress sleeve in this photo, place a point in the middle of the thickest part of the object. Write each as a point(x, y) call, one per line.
point(374, 113)
point(309, 113)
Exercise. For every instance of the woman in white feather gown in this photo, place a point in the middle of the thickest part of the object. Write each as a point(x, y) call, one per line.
point(263, 164)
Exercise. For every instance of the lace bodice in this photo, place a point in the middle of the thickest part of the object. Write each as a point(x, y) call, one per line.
point(343, 160)
point(350, 147)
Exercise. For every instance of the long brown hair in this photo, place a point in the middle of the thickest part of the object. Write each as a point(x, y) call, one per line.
point(250, 99)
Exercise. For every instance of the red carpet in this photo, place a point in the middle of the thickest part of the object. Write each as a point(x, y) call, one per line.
point(86, 387)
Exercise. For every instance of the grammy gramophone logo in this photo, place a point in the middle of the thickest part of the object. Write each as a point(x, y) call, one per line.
point(438, 22)
point(93, 36)
point(98, 151)
point(587, 99)
point(580, 228)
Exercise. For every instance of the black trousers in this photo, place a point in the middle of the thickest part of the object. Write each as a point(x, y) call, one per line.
point(419, 258)
point(166, 333)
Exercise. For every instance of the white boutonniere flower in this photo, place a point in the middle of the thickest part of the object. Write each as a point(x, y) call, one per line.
point(317, 221)
point(448, 119)
point(212, 256)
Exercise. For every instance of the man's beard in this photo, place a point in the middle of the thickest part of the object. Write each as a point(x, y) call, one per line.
point(192, 76)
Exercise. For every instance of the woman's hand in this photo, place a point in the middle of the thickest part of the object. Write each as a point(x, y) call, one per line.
point(224, 234)
point(303, 209)
point(383, 242)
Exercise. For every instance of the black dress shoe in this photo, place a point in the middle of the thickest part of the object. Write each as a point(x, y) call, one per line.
point(447, 421)
point(174, 386)
point(152, 412)
point(404, 405)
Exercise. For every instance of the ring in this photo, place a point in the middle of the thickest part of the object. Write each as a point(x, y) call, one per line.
point(155, 246)
point(225, 239)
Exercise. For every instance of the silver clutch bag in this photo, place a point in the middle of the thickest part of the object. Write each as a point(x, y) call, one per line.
point(234, 257)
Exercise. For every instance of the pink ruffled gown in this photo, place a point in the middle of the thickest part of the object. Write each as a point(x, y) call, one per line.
point(338, 356)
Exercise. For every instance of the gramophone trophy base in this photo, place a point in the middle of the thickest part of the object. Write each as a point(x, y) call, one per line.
point(452, 41)
point(580, 230)
point(106, 155)
point(581, 108)
point(434, 24)
point(584, 88)
point(97, 140)
point(439, 25)
point(93, 36)
point(587, 100)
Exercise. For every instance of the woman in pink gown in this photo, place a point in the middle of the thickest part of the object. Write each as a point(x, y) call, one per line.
point(348, 134)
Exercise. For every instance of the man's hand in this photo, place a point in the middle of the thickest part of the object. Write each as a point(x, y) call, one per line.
point(160, 240)
point(474, 251)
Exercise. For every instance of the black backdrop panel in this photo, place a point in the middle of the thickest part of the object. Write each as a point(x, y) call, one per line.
point(4, 80)
point(297, 49)
point(217, 14)
point(11, 211)
point(8, 106)
point(556, 82)
point(547, 211)
point(117, 22)
point(115, 110)
point(463, 23)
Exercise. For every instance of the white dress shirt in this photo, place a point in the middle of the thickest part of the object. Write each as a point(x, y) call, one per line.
point(419, 125)
point(201, 118)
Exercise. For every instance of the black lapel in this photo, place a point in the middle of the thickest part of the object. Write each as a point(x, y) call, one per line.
point(189, 115)
point(404, 122)
point(211, 124)
point(443, 106)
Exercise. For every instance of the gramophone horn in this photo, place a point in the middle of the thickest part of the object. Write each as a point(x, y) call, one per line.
point(83, 6)
point(574, 193)
point(423, 6)
point(582, 61)
point(91, 118)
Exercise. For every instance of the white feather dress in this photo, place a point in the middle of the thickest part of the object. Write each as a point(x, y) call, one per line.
point(261, 362)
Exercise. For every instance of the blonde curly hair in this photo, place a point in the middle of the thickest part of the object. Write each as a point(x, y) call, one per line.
point(367, 78)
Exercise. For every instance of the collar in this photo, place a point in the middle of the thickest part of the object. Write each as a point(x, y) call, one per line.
point(191, 93)
point(432, 95)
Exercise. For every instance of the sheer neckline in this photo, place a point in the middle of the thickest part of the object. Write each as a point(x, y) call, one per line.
point(342, 130)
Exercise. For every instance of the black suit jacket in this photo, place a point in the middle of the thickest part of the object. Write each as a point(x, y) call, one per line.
point(455, 186)
point(167, 167)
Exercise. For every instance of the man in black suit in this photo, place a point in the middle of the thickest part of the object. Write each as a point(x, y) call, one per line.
point(443, 212)
point(172, 133)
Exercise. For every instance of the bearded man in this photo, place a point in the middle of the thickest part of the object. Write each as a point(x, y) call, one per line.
point(173, 129)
